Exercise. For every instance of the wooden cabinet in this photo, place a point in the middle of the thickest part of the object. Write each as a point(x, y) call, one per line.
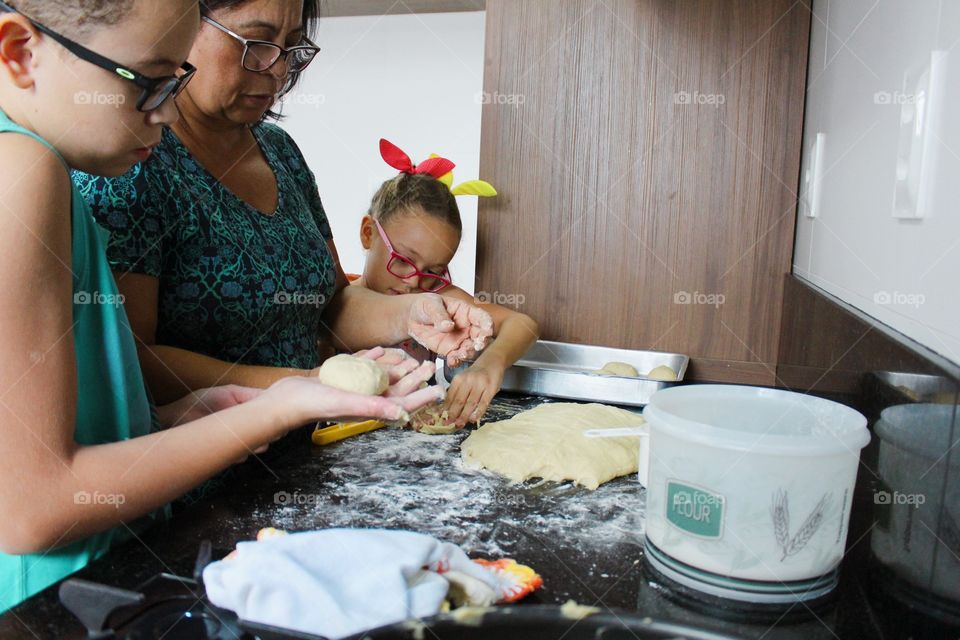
point(341, 8)
point(647, 156)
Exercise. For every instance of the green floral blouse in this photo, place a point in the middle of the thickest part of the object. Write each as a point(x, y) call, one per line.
point(235, 284)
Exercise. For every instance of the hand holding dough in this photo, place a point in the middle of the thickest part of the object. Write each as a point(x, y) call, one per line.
point(354, 374)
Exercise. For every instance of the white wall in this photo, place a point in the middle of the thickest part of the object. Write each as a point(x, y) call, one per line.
point(884, 84)
point(413, 79)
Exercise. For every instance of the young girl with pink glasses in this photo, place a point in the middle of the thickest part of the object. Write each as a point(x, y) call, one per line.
point(411, 233)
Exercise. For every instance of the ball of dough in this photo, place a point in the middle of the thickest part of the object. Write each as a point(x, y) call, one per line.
point(619, 369)
point(663, 372)
point(358, 375)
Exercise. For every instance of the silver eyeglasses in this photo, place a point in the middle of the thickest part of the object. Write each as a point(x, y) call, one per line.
point(260, 55)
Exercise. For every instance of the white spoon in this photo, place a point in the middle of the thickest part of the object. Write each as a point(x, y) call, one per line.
point(642, 432)
point(616, 432)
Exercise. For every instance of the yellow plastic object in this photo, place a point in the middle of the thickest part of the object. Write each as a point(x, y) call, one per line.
point(478, 188)
point(333, 433)
point(474, 188)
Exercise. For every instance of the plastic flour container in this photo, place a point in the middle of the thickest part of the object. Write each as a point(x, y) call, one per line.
point(749, 490)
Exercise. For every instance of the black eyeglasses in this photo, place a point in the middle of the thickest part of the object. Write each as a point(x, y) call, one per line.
point(154, 91)
point(261, 55)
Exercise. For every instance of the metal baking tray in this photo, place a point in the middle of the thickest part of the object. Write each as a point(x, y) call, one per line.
point(918, 387)
point(563, 370)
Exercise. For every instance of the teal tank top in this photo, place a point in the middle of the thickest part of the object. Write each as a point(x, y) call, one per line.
point(112, 402)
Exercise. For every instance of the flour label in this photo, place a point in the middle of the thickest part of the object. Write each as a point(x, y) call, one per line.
point(694, 509)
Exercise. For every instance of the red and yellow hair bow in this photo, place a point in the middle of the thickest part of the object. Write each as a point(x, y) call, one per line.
point(439, 168)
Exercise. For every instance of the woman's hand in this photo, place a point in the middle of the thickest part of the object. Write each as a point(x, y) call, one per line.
point(203, 402)
point(312, 400)
point(388, 357)
point(396, 362)
point(471, 391)
point(406, 373)
point(453, 328)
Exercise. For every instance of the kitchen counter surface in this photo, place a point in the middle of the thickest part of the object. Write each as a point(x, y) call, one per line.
point(585, 544)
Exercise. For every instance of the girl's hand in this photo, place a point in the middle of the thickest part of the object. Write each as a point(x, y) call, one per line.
point(450, 327)
point(203, 402)
point(311, 400)
point(471, 391)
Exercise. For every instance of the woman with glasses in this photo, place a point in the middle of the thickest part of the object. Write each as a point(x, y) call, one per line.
point(220, 243)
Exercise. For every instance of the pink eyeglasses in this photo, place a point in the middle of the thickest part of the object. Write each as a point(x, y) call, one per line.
point(404, 268)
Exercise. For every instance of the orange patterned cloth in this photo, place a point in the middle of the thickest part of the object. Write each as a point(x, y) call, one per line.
point(525, 580)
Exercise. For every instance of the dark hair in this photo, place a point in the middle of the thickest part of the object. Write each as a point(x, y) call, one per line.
point(311, 17)
point(405, 193)
point(311, 11)
point(76, 18)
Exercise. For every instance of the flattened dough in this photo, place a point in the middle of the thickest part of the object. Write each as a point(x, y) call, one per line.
point(619, 369)
point(663, 372)
point(350, 373)
point(548, 442)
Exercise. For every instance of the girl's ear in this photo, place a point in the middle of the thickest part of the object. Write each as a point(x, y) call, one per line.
point(17, 39)
point(367, 231)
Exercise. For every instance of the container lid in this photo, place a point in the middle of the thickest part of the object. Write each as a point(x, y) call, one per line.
point(757, 419)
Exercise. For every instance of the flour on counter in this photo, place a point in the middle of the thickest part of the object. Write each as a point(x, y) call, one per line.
point(400, 479)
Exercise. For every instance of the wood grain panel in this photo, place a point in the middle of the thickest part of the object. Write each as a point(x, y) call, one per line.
point(339, 8)
point(643, 149)
point(829, 347)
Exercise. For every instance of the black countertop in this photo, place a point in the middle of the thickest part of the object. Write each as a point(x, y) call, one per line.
point(586, 545)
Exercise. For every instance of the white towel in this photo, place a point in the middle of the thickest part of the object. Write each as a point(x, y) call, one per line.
point(338, 582)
